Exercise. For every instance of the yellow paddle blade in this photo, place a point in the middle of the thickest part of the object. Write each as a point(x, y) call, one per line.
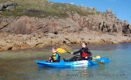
point(98, 56)
point(99, 62)
point(95, 59)
point(60, 50)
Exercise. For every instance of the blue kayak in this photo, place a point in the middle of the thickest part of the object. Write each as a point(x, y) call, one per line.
point(80, 63)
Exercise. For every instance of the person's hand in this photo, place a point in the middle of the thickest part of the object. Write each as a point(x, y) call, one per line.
point(71, 52)
point(49, 58)
point(86, 57)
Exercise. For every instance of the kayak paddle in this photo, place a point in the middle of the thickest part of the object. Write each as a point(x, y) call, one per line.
point(60, 50)
point(95, 59)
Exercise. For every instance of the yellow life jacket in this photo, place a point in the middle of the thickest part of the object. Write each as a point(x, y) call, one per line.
point(54, 56)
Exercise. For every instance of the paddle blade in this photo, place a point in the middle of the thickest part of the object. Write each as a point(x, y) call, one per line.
point(99, 62)
point(98, 57)
point(60, 50)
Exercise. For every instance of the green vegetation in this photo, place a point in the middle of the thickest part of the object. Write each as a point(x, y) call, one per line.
point(43, 8)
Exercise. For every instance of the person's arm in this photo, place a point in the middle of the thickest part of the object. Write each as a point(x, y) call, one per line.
point(77, 51)
point(88, 51)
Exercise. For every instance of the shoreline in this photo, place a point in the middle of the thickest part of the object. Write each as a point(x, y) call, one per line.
point(20, 41)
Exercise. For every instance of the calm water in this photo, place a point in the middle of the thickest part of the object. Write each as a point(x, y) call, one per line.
point(20, 65)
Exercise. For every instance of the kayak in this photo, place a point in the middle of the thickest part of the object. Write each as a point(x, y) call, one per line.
point(80, 63)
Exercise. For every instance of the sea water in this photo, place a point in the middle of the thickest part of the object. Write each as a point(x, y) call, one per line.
point(20, 65)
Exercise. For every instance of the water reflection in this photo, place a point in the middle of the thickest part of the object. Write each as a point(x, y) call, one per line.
point(63, 73)
point(71, 73)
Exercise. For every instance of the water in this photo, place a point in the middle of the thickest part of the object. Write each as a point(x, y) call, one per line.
point(20, 65)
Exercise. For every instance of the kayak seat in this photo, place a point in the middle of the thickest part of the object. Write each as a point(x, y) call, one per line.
point(65, 60)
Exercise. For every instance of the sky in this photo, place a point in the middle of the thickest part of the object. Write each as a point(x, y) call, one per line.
point(122, 8)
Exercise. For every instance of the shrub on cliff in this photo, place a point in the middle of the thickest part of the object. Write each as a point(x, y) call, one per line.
point(44, 8)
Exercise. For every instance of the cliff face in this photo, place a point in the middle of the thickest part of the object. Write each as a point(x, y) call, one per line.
point(102, 22)
point(21, 32)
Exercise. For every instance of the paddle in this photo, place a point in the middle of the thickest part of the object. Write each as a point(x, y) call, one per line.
point(99, 62)
point(60, 50)
point(95, 59)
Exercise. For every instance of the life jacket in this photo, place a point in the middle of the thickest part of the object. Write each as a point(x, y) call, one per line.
point(84, 54)
point(54, 56)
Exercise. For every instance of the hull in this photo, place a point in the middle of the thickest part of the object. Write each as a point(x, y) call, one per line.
point(81, 63)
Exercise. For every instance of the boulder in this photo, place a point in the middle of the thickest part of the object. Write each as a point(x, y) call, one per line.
point(25, 46)
point(94, 8)
point(10, 8)
point(56, 41)
point(9, 3)
point(7, 47)
point(109, 11)
point(76, 16)
point(71, 38)
point(78, 41)
point(39, 45)
point(85, 29)
point(3, 24)
point(0, 13)
point(130, 26)
point(126, 22)
point(66, 47)
point(52, 35)
point(1, 7)
point(16, 47)
point(1, 48)
point(32, 42)
point(47, 41)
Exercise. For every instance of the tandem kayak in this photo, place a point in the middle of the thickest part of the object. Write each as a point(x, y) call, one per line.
point(81, 63)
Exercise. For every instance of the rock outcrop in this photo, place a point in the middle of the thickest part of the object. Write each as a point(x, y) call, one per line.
point(10, 6)
point(15, 41)
point(24, 32)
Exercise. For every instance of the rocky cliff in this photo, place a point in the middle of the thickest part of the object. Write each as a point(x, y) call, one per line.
point(31, 28)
